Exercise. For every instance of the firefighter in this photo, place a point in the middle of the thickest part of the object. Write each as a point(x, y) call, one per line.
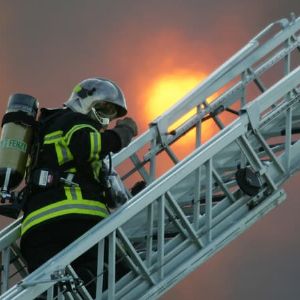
point(66, 194)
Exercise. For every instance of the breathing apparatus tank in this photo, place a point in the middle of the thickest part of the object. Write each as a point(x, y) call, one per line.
point(15, 141)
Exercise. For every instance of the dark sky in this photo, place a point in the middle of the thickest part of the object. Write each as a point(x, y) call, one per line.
point(46, 47)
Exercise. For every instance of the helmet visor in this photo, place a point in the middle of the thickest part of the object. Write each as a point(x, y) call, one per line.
point(106, 110)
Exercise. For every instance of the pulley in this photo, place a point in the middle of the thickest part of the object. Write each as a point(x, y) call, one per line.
point(248, 180)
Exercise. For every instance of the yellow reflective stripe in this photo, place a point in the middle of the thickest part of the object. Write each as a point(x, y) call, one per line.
point(61, 143)
point(75, 128)
point(73, 193)
point(96, 167)
point(88, 207)
point(71, 170)
point(63, 152)
point(53, 137)
point(95, 141)
point(60, 203)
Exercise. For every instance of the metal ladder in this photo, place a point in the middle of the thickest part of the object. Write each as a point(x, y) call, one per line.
point(193, 204)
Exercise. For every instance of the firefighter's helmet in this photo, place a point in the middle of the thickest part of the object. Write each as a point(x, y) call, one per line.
point(99, 98)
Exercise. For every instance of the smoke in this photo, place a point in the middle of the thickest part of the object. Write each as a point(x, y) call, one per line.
point(49, 46)
point(46, 47)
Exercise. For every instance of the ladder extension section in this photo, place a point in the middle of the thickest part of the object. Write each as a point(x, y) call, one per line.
point(193, 204)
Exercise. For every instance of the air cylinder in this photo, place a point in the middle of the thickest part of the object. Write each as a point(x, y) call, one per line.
point(18, 124)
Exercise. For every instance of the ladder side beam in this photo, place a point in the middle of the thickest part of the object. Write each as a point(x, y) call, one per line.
point(234, 67)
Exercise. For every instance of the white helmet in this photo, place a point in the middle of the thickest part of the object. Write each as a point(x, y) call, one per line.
point(99, 98)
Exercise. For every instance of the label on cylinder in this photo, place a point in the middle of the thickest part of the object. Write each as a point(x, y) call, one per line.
point(13, 144)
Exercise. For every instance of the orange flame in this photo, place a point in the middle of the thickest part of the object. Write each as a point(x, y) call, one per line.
point(165, 91)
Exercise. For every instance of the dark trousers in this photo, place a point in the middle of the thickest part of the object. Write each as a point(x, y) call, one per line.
point(46, 240)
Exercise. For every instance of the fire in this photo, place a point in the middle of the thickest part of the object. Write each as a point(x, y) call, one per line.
point(165, 92)
point(169, 89)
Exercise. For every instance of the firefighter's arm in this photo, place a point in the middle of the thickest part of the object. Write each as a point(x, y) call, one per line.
point(125, 129)
point(87, 143)
point(115, 139)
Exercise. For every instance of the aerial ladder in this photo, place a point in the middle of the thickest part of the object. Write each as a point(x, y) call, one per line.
point(183, 212)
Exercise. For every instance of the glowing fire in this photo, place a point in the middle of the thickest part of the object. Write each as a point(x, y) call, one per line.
point(167, 90)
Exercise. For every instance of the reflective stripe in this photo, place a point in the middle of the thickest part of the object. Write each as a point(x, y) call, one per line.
point(87, 207)
point(75, 128)
point(53, 137)
point(95, 140)
point(63, 153)
point(96, 167)
point(73, 192)
point(61, 143)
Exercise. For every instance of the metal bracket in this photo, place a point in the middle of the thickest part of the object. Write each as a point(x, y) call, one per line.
point(161, 137)
point(67, 282)
point(253, 114)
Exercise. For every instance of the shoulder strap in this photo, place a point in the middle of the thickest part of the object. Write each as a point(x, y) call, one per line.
point(45, 116)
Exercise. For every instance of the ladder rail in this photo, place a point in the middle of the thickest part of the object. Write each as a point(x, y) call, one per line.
point(208, 87)
point(240, 62)
point(154, 191)
point(102, 230)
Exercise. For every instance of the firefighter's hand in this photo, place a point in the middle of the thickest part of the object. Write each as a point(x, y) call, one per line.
point(128, 123)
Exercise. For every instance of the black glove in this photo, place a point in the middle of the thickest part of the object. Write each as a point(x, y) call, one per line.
point(128, 123)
